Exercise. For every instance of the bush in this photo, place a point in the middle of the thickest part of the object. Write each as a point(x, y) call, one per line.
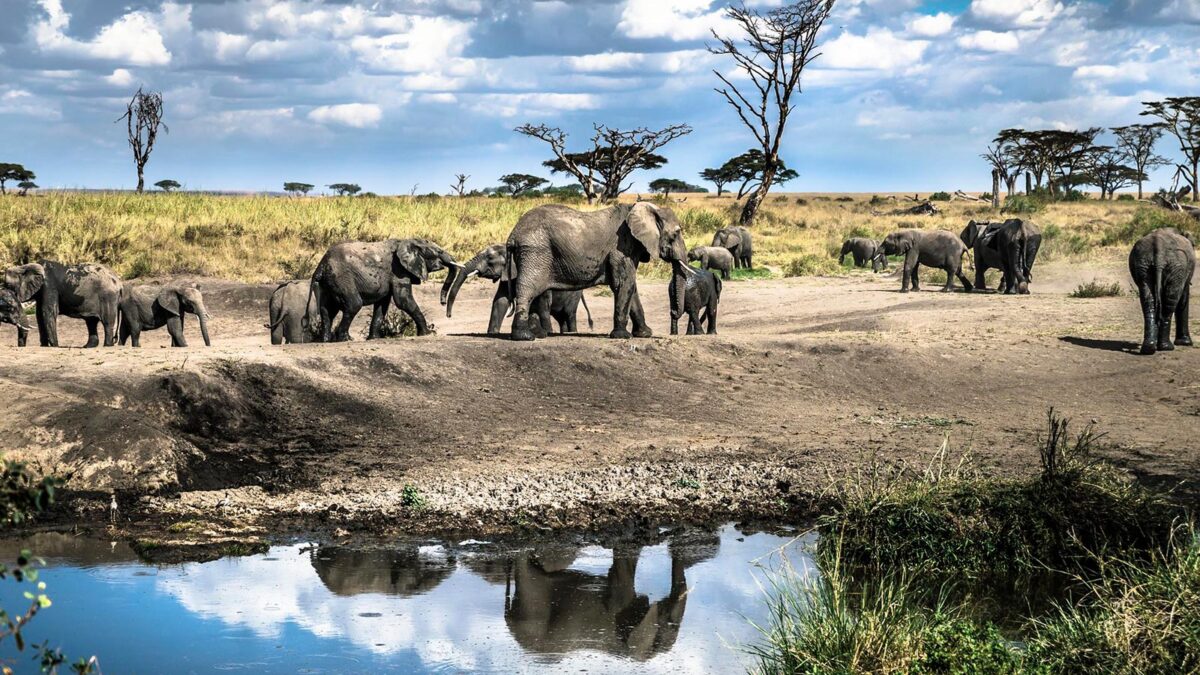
point(1126, 198)
point(809, 265)
point(844, 199)
point(939, 197)
point(1145, 221)
point(701, 220)
point(1021, 204)
point(1097, 289)
point(801, 201)
point(986, 196)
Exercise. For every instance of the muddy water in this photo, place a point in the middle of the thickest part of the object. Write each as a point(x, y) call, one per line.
point(678, 602)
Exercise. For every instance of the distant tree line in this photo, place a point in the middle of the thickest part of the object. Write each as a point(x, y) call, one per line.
point(1055, 162)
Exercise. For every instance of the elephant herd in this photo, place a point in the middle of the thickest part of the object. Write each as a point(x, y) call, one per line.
point(551, 256)
point(1162, 265)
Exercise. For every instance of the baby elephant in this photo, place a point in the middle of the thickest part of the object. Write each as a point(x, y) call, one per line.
point(713, 258)
point(864, 250)
point(702, 292)
point(1162, 264)
point(935, 248)
point(152, 307)
point(11, 311)
point(287, 310)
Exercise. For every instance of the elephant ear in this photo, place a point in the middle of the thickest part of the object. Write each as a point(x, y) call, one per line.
point(644, 225)
point(970, 233)
point(168, 299)
point(26, 280)
point(409, 258)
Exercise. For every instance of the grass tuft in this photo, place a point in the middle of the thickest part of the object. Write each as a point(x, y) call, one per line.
point(1098, 289)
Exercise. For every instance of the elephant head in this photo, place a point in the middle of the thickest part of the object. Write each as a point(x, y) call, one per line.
point(897, 243)
point(179, 299)
point(488, 263)
point(728, 238)
point(11, 310)
point(658, 230)
point(695, 254)
point(417, 258)
point(25, 280)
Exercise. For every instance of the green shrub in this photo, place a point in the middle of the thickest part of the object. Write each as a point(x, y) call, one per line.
point(1126, 198)
point(1021, 204)
point(411, 498)
point(844, 199)
point(702, 220)
point(939, 197)
point(1097, 289)
point(1145, 221)
point(809, 265)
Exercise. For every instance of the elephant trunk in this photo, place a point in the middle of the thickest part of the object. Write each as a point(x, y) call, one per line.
point(202, 314)
point(468, 270)
point(453, 270)
point(681, 279)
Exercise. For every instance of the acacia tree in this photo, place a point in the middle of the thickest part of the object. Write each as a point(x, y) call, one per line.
point(719, 177)
point(13, 172)
point(143, 117)
point(602, 172)
point(750, 168)
point(344, 189)
point(666, 186)
point(167, 185)
point(520, 183)
point(297, 188)
point(1137, 141)
point(776, 47)
point(1181, 118)
point(25, 186)
point(1109, 172)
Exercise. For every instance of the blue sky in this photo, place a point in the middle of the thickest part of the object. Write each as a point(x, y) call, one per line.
point(396, 93)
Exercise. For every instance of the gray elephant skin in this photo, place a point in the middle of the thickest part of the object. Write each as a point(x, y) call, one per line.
point(713, 258)
point(558, 248)
point(934, 248)
point(1011, 246)
point(738, 241)
point(354, 274)
point(11, 310)
point(152, 307)
point(287, 312)
point(863, 251)
point(1162, 264)
point(701, 296)
point(88, 291)
point(561, 306)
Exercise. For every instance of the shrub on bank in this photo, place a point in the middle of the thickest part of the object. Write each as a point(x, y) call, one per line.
point(810, 264)
point(1022, 205)
point(1145, 221)
point(1097, 289)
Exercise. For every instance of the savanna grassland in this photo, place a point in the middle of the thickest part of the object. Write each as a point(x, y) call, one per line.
point(262, 238)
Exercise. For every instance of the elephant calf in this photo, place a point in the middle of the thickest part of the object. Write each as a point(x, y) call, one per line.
point(11, 310)
point(863, 250)
point(713, 258)
point(935, 248)
point(702, 293)
point(152, 307)
point(1162, 264)
point(287, 311)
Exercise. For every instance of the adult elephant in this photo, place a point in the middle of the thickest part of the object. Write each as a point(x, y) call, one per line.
point(738, 241)
point(863, 251)
point(88, 291)
point(152, 307)
point(1162, 264)
point(561, 306)
point(558, 248)
point(292, 319)
point(1011, 246)
point(357, 273)
point(935, 248)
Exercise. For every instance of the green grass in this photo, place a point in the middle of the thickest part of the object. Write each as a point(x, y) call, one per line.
point(412, 499)
point(1098, 289)
point(1147, 219)
point(1022, 205)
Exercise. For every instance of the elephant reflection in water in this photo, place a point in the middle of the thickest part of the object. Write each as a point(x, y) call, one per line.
point(553, 609)
point(404, 572)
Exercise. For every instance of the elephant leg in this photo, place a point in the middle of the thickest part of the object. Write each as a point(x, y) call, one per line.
point(350, 308)
point(712, 316)
point(326, 310)
point(135, 335)
point(1169, 307)
point(1150, 320)
point(541, 308)
point(1183, 336)
point(108, 320)
point(175, 330)
point(980, 272)
point(47, 312)
point(636, 312)
point(378, 314)
point(499, 309)
point(693, 322)
point(402, 295)
point(725, 274)
point(93, 325)
point(531, 282)
point(622, 297)
point(123, 331)
point(962, 279)
point(278, 333)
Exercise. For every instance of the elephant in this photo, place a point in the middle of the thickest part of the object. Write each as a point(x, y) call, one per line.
point(935, 248)
point(702, 294)
point(1011, 246)
point(1162, 264)
point(558, 248)
point(11, 311)
point(291, 321)
point(88, 291)
point(713, 258)
point(357, 273)
point(403, 572)
point(863, 250)
point(737, 240)
point(152, 307)
point(562, 306)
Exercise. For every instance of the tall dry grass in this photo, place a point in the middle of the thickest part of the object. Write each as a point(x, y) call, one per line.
point(260, 238)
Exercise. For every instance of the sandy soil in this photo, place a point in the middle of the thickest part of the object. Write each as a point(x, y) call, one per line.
point(809, 380)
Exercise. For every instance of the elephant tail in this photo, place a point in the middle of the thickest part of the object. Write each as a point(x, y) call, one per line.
point(583, 299)
point(717, 280)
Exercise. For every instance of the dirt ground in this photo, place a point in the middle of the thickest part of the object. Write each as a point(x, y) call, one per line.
point(808, 381)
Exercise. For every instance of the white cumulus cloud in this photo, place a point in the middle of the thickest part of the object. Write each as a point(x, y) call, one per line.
point(878, 49)
point(134, 38)
point(990, 41)
point(931, 25)
point(1016, 13)
point(674, 19)
point(357, 115)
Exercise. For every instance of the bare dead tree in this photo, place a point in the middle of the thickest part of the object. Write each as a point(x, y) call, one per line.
point(460, 185)
point(143, 117)
point(777, 46)
point(615, 155)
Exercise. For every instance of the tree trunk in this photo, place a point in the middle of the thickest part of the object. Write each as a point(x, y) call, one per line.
point(995, 188)
point(750, 210)
point(141, 179)
point(1196, 180)
point(1139, 190)
point(1028, 183)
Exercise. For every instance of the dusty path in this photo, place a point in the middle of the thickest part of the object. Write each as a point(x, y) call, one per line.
point(808, 379)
